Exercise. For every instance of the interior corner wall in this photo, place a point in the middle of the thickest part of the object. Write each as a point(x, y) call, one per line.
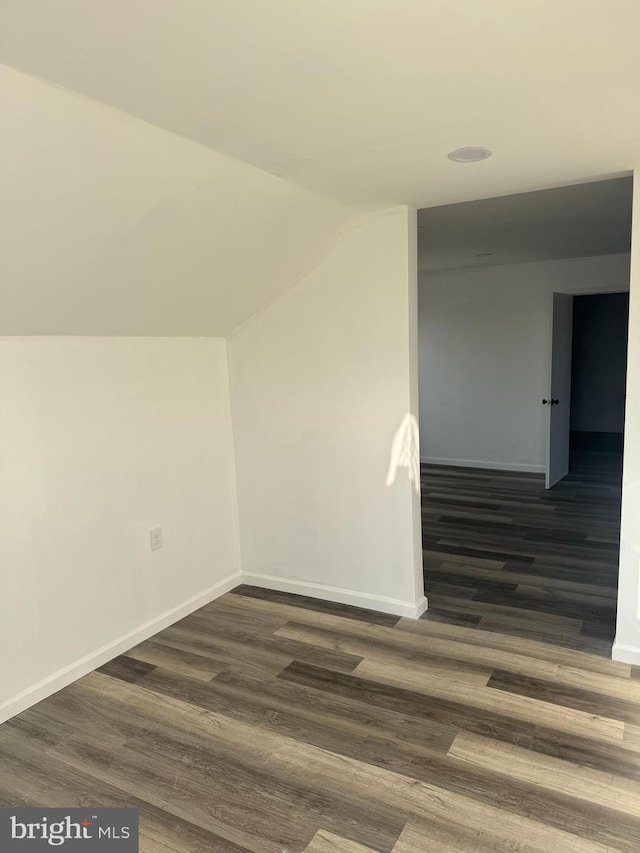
point(322, 404)
point(484, 357)
point(102, 439)
point(627, 643)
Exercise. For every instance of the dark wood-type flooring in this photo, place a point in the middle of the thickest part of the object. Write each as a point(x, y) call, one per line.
point(276, 724)
point(503, 554)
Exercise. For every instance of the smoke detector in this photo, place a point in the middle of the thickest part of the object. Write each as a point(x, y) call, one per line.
point(469, 155)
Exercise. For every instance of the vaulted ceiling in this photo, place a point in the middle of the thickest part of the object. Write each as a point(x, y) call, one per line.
point(267, 127)
point(361, 99)
point(111, 226)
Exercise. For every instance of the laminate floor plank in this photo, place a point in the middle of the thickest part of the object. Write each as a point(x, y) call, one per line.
point(261, 725)
point(585, 752)
point(499, 624)
point(417, 838)
point(508, 547)
point(548, 601)
point(330, 607)
point(446, 712)
point(435, 836)
point(31, 777)
point(554, 774)
point(127, 668)
point(570, 825)
point(176, 660)
point(541, 621)
point(602, 600)
point(579, 572)
point(453, 617)
point(453, 654)
point(282, 646)
point(288, 612)
point(225, 652)
point(219, 774)
point(631, 737)
point(529, 648)
point(568, 697)
point(606, 685)
point(327, 842)
point(373, 734)
point(486, 530)
point(516, 706)
point(382, 646)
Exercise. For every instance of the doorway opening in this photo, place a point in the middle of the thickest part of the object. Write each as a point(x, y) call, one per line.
point(587, 383)
point(598, 382)
point(523, 312)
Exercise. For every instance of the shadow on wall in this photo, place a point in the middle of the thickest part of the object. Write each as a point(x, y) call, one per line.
point(405, 452)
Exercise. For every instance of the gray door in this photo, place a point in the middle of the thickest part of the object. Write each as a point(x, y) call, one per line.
point(559, 400)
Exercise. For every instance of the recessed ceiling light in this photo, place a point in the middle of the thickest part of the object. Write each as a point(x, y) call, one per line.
point(484, 254)
point(469, 155)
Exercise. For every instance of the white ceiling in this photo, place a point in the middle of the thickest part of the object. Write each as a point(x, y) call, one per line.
point(568, 222)
point(361, 99)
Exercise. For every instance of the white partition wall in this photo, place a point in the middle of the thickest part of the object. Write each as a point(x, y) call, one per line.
point(325, 426)
point(102, 439)
point(627, 642)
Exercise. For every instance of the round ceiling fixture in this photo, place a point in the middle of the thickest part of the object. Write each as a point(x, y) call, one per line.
point(469, 155)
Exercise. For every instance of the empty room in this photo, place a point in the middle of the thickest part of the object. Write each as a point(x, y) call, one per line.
point(523, 325)
point(319, 426)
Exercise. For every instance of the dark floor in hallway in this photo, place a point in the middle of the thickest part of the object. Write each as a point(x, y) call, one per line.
point(503, 554)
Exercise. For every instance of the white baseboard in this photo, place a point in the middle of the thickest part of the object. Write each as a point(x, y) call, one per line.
point(626, 654)
point(493, 466)
point(16, 704)
point(394, 606)
point(47, 686)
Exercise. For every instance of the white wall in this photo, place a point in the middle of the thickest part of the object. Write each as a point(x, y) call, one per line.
point(101, 440)
point(627, 642)
point(484, 344)
point(320, 385)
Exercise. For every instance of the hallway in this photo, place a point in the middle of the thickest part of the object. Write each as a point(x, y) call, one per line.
point(504, 555)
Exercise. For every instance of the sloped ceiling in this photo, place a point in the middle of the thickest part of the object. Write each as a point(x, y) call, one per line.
point(111, 226)
point(170, 166)
point(361, 99)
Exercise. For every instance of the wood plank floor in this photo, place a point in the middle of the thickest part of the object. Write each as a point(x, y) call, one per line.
point(276, 724)
point(503, 554)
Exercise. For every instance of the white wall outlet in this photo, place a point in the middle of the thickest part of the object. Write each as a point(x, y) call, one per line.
point(156, 538)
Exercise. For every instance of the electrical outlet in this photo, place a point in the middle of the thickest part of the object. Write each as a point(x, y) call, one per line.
point(156, 538)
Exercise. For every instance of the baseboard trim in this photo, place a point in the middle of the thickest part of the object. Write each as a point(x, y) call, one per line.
point(63, 677)
point(21, 701)
point(379, 603)
point(523, 467)
point(626, 654)
point(421, 607)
